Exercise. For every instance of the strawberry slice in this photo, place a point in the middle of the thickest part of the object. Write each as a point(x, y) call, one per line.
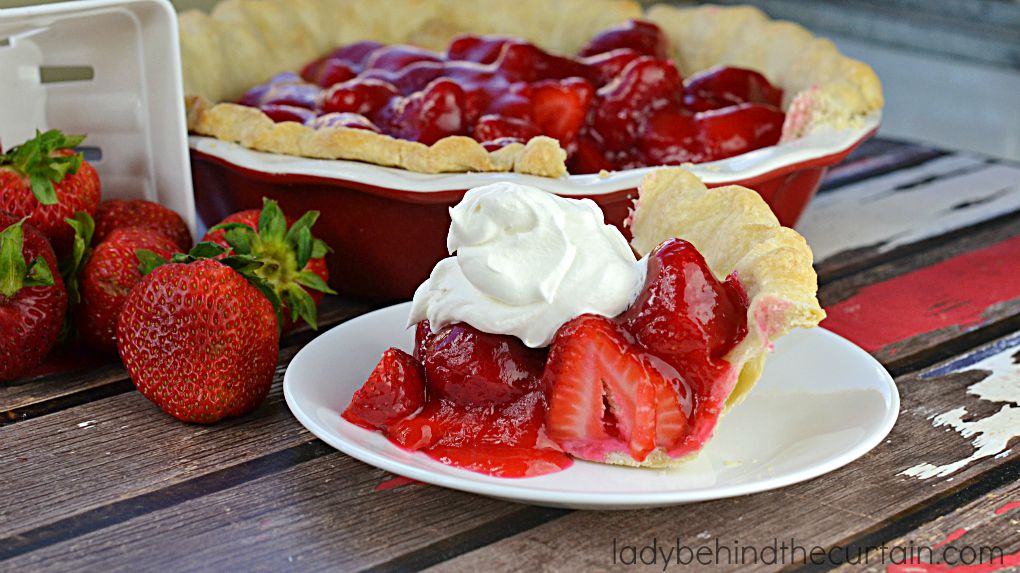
point(591, 358)
point(394, 390)
point(670, 420)
point(558, 108)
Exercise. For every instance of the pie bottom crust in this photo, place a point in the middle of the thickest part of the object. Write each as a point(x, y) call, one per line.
point(736, 232)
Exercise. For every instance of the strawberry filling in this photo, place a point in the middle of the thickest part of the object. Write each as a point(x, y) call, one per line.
point(651, 380)
point(619, 103)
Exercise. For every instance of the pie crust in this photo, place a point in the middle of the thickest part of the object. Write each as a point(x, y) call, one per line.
point(245, 42)
point(736, 232)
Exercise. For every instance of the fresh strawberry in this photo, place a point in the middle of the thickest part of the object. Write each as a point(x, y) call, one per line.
point(120, 214)
point(591, 364)
point(45, 180)
point(108, 277)
point(559, 107)
point(493, 127)
point(738, 129)
point(199, 338)
point(394, 390)
point(469, 366)
point(365, 97)
point(645, 86)
point(294, 264)
point(429, 115)
point(643, 37)
point(32, 298)
point(671, 137)
point(725, 86)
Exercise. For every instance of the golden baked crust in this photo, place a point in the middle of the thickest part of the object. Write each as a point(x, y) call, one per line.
point(734, 229)
point(245, 42)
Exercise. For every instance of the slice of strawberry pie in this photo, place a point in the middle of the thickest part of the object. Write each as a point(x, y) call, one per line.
point(544, 335)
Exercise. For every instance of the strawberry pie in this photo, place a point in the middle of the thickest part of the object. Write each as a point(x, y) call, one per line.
point(547, 337)
point(583, 87)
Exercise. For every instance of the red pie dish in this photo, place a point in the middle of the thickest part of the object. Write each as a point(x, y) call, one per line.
point(386, 133)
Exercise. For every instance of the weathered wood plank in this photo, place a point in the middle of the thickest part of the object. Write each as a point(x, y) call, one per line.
point(123, 446)
point(32, 397)
point(982, 533)
point(831, 510)
point(867, 221)
point(877, 156)
point(904, 307)
point(327, 514)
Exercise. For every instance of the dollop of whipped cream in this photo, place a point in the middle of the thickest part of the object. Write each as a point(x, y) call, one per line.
point(526, 262)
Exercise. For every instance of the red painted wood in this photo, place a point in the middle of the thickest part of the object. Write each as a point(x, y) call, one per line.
point(957, 292)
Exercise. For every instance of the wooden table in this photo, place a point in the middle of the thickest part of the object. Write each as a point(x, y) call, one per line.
point(918, 254)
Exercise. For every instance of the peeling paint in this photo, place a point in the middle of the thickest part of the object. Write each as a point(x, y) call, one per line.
point(991, 434)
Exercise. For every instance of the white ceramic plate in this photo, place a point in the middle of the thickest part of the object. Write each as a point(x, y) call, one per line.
point(742, 167)
point(821, 403)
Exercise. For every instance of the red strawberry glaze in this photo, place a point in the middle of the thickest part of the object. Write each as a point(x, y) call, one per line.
point(652, 378)
point(619, 103)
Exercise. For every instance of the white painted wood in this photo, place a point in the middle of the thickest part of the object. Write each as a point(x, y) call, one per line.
point(990, 435)
point(874, 213)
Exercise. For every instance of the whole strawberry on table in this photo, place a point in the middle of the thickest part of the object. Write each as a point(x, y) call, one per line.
point(198, 332)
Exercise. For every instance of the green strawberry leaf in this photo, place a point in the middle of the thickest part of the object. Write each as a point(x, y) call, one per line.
point(267, 290)
point(272, 223)
point(15, 274)
point(303, 248)
point(12, 263)
point(39, 274)
point(300, 304)
point(305, 222)
point(320, 249)
point(241, 239)
point(313, 281)
point(148, 261)
point(35, 159)
point(43, 189)
point(243, 264)
point(206, 250)
point(70, 266)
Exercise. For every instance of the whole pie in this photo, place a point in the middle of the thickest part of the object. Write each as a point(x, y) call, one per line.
point(528, 86)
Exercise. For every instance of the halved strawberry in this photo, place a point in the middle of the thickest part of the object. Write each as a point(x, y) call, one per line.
point(394, 390)
point(558, 107)
point(591, 359)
